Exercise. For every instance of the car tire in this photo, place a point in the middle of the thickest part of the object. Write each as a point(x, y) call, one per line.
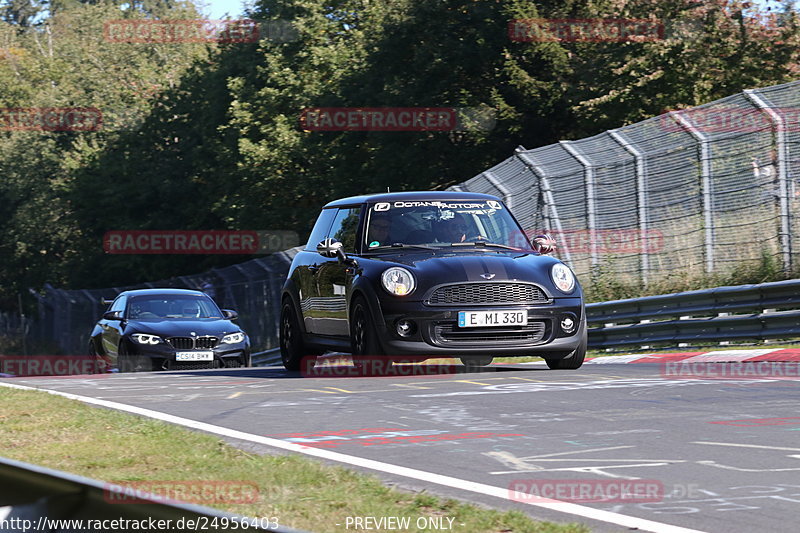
point(363, 337)
point(246, 360)
point(572, 361)
point(127, 362)
point(100, 361)
point(474, 363)
point(293, 351)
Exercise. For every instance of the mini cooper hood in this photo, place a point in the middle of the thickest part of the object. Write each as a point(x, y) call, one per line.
point(172, 327)
point(431, 269)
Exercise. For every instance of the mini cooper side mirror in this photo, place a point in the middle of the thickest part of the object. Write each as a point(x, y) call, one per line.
point(330, 248)
point(333, 248)
point(113, 315)
point(544, 244)
point(230, 314)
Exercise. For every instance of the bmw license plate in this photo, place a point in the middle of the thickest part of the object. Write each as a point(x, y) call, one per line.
point(496, 317)
point(194, 356)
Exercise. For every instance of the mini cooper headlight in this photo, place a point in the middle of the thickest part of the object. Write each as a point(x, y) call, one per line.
point(144, 338)
point(563, 277)
point(398, 281)
point(233, 338)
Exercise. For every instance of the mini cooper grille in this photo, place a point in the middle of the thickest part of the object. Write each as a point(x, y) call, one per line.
point(488, 293)
point(448, 333)
point(189, 343)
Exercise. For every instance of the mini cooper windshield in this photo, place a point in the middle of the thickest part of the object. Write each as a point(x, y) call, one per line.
point(443, 224)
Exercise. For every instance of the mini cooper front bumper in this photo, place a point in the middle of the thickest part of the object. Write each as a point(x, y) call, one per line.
point(552, 330)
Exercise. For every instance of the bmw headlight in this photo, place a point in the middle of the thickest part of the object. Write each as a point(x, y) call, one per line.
point(563, 277)
point(144, 338)
point(398, 281)
point(233, 338)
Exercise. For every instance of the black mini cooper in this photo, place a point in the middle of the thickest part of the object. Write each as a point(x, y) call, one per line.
point(429, 274)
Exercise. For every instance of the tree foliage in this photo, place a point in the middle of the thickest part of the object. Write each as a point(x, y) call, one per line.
point(208, 136)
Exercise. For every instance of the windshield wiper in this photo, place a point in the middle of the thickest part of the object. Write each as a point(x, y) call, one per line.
point(482, 243)
point(402, 245)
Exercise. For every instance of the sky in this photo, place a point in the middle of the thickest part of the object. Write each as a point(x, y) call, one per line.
point(217, 9)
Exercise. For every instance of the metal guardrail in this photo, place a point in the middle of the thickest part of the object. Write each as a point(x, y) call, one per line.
point(708, 315)
point(268, 357)
point(722, 313)
point(39, 497)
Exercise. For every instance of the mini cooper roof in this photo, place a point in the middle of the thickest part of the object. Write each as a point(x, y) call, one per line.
point(410, 196)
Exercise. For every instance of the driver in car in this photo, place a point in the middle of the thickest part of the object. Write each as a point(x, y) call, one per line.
point(380, 227)
point(452, 230)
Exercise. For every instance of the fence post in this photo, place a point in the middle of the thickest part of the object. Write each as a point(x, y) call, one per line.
point(641, 199)
point(591, 204)
point(497, 184)
point(705, 175)
point(779, 128)
point(547, 193)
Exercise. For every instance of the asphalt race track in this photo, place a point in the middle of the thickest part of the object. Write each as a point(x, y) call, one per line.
point(716, 455)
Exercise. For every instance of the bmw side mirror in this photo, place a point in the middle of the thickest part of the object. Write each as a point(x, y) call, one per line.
point(230, 314)
point(330, 248)
point(113, 315)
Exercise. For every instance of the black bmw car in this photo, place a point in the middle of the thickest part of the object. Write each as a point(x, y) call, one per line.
point(429, 274)
point(155, 329)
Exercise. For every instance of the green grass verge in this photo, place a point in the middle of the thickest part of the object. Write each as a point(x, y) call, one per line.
point(107, 445)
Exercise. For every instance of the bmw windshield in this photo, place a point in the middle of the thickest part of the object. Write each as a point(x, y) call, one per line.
point(172, 306)
point(438, 224)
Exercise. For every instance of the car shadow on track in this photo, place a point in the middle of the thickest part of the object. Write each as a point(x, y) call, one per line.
point(349, 370)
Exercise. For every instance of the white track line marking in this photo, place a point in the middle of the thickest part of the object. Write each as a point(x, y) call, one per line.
point(748, 446)
point(421, 475)
point(609, 359)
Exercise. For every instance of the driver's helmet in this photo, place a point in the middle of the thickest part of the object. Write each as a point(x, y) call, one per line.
point(191, 309)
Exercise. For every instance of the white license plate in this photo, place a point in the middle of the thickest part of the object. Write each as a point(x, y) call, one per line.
point(194, 356)
point(496, 317)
